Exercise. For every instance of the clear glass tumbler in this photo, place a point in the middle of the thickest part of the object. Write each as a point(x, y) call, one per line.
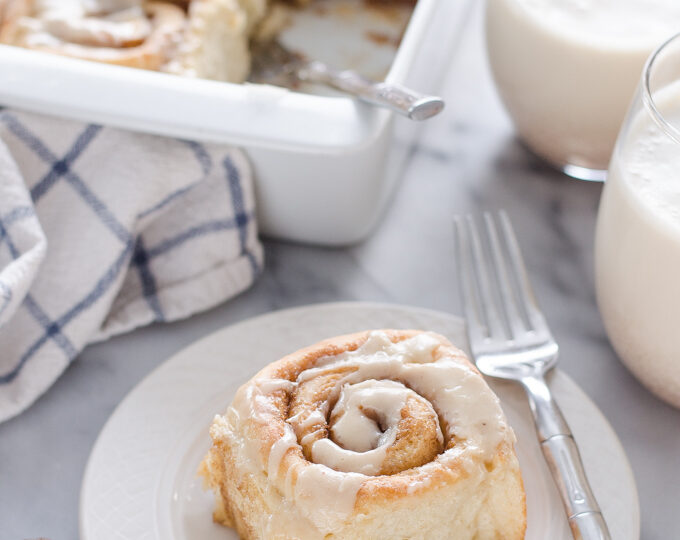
point(637, 246)
point(566, 71)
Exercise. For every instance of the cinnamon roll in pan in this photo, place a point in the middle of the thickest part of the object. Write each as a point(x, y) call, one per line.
point(120, 32)
point(378, 435)
point(215, 42)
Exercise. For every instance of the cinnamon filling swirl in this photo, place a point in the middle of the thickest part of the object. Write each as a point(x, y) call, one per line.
point(123, 32)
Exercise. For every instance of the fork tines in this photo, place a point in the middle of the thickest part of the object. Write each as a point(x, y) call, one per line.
point(497, 296)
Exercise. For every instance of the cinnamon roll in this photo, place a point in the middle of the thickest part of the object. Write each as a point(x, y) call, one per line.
point(215, 44)
point(123, 32)
point(380, 434)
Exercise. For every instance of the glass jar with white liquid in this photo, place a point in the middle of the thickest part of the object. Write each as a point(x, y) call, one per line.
point(637, 247)
point(566, 71)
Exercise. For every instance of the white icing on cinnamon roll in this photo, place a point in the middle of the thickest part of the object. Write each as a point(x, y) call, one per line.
point(360, 422)
point(124, 32)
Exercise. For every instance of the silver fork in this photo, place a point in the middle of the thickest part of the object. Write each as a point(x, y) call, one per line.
point(510, 339)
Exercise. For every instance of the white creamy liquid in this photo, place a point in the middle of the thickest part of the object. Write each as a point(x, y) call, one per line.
point(638, 250)
point(567, 69)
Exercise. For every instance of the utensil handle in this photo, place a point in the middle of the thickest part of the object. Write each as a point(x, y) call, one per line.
point(414, 105)
point(564, 461)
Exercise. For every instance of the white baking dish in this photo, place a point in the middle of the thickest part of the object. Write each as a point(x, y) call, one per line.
point(325, 165)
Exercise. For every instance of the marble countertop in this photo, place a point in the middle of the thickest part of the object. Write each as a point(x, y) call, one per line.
point(466, 160)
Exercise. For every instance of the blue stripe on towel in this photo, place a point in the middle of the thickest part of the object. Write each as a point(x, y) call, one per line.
point(102, 211)
point(140, 259)
point(201, 155)
point(189, 234)
point(99, 289)
point(204, 161)
point(61, 168)
point(52, 329)
point(166, 200)
point(4, 235)
point(17, 214)
point(241, 217)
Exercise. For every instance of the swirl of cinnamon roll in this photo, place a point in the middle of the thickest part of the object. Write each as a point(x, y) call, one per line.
point(123, 32)
point(381, 434)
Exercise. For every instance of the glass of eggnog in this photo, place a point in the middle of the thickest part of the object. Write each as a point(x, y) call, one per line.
point(637, 244)
point(567, 70)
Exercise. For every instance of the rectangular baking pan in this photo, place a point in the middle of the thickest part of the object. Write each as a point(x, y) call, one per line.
point(325, 165)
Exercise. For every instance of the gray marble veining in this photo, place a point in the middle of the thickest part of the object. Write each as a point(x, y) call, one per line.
point(468, 159)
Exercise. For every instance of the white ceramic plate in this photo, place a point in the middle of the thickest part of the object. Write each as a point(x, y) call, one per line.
point(140, 482)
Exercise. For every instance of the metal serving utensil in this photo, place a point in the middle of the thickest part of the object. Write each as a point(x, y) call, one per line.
point(510, 339)
point(273, 63)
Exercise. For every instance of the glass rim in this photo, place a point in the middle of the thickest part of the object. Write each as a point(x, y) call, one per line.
point(647, 98)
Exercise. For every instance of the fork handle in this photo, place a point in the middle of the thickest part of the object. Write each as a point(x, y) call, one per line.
point(564, 461)
point(400, 99)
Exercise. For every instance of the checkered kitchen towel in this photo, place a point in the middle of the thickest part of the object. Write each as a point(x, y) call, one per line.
point(103, 230)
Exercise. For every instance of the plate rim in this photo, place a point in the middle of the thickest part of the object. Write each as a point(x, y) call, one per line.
point(167, 364)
